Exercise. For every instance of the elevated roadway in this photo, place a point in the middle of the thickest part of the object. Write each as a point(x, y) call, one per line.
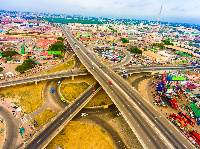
point(151, 128)
point(60, 74)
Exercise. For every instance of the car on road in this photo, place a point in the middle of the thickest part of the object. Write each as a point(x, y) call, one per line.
point(110, 82)
point(62, 99)
point(51, 89)
point(84, 114)
point(94, 89)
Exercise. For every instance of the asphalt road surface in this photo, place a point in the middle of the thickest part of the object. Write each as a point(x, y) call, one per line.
point(55, 96)
point(12, 130)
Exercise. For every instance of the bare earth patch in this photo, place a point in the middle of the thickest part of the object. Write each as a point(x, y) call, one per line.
point(78, 135)
point(100, 99)
point(43, 117)
point(2, 134)
point(72, 90)
point(65, 66)
point(26, 96)
point(142, 88)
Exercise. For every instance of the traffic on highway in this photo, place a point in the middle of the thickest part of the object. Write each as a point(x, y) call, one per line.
point(150, 127)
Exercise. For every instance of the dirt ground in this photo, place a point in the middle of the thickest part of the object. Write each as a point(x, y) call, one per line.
point(2, 134)
point(80, 135)
point(142, 88)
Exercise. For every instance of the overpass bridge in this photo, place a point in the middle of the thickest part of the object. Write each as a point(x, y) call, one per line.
point(151, 69)
point(36, 78)
point(150, 127)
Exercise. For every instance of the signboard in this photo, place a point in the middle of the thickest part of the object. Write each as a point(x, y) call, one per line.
point(54, 52)
point(178, 78)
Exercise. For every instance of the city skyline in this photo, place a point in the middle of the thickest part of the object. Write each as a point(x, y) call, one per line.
point(179, 11)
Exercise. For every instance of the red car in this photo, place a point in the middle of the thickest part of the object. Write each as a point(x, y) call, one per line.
point(94, 89)
point(110, 82)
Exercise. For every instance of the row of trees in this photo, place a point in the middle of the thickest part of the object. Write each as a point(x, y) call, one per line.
point(9, 54)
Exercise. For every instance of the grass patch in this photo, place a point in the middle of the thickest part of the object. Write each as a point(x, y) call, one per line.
point(68, 65)
point(82, 66)
point(101, 98)
point(88, 79)
point(43, 117)
point(72, 90)
point(79, 135)
point(28, 97)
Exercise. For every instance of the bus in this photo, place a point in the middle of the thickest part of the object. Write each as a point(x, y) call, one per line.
point(174, 104)
point(196, 136)
point(183, 121)
point(190, 120)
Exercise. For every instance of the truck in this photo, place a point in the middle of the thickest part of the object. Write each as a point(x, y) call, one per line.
point(51, 89)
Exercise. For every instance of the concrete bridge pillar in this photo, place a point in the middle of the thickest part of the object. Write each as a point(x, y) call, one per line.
point(35, 82)
point(72, 77)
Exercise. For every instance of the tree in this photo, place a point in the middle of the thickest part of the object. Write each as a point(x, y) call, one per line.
point(58, 46)
point(26, 65)
point(9, 53)
point(124, 40)
point(1, 69)
point(60, 38)
point(135, 50)
point(167, 42)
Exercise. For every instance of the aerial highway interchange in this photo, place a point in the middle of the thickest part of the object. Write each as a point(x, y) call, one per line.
point(151, 128)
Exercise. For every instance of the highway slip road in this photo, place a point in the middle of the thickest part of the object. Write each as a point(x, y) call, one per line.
point(150, 127)
point(42, 138)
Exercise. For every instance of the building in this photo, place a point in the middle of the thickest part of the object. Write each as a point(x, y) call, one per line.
point(153, 38)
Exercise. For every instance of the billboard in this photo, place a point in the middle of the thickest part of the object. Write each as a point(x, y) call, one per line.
point(54, 52)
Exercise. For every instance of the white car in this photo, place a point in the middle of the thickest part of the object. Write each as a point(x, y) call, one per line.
point(84, 114)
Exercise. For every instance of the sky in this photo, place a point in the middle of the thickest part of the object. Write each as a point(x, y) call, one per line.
point(182, 11)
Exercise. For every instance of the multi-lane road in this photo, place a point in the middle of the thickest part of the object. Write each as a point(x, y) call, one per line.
point(151, 128)
point(60, 74)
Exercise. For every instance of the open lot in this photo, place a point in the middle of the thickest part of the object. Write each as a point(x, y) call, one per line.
point(27, 96)
point(100, 99)
point(2, 134)
point(65, 66)
point(78, 135)
point(72, 90)
point(43, 117)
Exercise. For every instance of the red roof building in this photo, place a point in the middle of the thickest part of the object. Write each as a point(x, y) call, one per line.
point(45, 42)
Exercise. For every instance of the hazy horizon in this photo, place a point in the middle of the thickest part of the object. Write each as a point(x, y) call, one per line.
point(180, 11)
